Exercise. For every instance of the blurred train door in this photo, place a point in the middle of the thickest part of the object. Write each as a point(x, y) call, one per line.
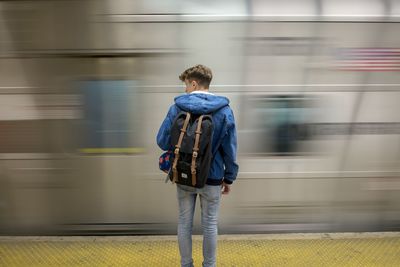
point(110, 149)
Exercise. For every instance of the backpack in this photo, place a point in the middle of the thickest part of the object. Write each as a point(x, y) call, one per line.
point(191, 138)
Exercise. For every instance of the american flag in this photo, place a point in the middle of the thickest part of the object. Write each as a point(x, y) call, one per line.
point(368, 59)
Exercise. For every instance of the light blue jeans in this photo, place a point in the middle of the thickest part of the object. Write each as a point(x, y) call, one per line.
point(210, 197)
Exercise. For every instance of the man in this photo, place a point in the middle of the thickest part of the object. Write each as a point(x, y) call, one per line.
point(223, 170)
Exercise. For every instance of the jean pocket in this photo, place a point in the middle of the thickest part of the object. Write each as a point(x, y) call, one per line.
point(212, 192)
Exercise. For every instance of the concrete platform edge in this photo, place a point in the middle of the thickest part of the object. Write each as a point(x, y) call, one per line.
point(290, 236)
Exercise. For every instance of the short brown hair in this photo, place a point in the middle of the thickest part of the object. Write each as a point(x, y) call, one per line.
point(199, 73)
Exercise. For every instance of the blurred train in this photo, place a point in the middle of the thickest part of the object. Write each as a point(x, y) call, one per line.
point(85, 85)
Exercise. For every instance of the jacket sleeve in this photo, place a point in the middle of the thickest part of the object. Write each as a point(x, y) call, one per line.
point(164, 133)
point(229, 149)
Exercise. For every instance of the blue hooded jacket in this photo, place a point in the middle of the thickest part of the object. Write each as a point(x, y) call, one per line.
point(224, 142)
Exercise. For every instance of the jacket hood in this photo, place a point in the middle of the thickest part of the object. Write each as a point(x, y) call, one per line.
point(201, 103)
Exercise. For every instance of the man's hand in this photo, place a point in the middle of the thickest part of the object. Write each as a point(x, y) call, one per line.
point(226, 188)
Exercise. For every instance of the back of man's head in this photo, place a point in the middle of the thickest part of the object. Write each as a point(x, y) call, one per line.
point(199, 73)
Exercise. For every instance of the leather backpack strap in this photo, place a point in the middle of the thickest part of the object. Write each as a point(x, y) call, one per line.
point(178, 146)
point(195, 150)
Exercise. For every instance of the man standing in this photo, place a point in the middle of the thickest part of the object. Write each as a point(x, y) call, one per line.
point(223, 170)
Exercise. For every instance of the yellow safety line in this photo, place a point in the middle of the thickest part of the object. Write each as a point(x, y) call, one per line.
point(297, 252)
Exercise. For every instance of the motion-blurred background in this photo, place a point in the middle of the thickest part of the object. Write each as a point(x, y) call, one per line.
point(85, 85)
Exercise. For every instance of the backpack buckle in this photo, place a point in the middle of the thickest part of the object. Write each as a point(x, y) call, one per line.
point(195, 154)
point(176, 152)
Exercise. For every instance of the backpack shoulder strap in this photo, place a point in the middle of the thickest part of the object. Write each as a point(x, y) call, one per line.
point(178, 146)
point(196, 149)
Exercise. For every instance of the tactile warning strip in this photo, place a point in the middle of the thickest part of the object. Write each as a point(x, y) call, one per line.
point(254, 252)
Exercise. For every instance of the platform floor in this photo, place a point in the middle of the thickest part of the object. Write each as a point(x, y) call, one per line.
point(347, 249)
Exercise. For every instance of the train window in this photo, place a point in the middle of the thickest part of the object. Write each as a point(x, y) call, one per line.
point(111, 117)
point(277, 125)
